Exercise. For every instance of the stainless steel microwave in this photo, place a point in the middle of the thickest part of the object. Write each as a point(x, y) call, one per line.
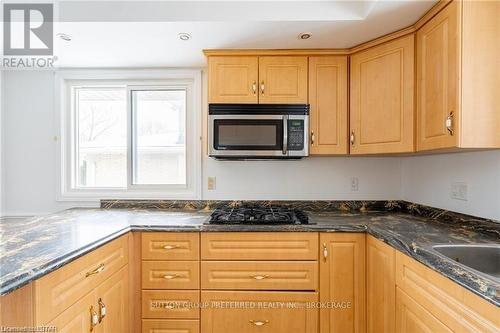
point(258, 131)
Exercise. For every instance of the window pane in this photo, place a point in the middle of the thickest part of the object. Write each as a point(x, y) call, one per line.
point(101, 125)
point(159, 136)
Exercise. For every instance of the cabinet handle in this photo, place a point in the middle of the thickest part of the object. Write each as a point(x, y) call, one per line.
point(170, 277)
point(259, 322)
point(262, 87)
point(94, 320)
point(171, 247)
point(98, 270)
point(260, 277)
point(254, 88)
point(325, 252)
point(352, 138)
point(102, 310)
point(449, 123)
point(312, 137)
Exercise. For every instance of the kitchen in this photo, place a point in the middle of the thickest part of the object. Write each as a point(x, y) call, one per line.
point(326, 166)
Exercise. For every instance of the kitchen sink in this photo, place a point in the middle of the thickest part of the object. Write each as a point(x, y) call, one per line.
point(484, 258)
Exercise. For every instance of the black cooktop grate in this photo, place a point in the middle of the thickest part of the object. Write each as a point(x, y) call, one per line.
point(258, 215)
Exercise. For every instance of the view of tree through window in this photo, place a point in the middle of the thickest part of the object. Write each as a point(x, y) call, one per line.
point(101, 124)
point(159, 136)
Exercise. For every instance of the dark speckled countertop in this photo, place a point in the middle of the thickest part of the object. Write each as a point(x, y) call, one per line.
point(31, 248)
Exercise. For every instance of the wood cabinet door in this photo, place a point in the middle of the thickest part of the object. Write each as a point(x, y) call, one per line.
point(170, 326)
point(112, 303)
point(413, 318)
point(328, 101)
point(76, 318)
point(259, 246)
point(232, 79)
point(438, 54)
point(342, 282)
point(170, 274)
point(259, 275)
point(259, 312)
point(381, 286)
point(382, 90)
point(283, 79)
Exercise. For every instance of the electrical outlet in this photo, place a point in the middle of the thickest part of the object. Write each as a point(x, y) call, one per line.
point(211, 183)
point(458, 191)
point(354, 184)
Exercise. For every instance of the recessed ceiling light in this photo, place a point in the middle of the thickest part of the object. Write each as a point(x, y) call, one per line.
point(64, 36)
point(305, 35)
point(184, 36)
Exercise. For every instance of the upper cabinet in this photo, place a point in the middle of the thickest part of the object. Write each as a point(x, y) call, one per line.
point(283, 79)
point(233, 79)
point(432, 86)
point(253, 79)
point(382, 89)
point(328, 104)
point(458, 77)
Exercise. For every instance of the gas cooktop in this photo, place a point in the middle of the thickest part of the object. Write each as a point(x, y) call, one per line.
point(258, 215)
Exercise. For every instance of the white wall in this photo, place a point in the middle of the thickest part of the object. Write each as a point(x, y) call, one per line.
point(29, 149)
point(1, 147)
point(327, 178)
point(427, 180)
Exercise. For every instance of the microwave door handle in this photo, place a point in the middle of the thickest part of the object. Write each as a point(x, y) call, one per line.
point(285, 135)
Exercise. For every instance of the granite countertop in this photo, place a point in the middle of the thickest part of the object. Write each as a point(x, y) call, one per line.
point(31, 248)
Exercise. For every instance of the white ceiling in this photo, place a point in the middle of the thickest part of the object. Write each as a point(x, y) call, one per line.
point(145, 33)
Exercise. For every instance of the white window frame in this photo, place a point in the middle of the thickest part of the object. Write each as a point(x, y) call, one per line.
point(189, 79)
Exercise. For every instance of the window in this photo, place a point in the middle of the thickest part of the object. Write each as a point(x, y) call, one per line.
point(130, 138)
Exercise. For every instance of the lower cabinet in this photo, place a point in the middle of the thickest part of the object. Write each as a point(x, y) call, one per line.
point(112, 303)
point(412, 317)
point(263, 312)
point(76, 318)
point(342, 283)
point(427, 301)
point(170, 326)
point(103, 310)
point(380, 286)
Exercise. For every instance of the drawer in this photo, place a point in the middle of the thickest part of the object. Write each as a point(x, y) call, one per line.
point(260, 275)
point(259, 246)
point(263, 312)
point(170, 245)
point(60, 289)
point(170, 326)
point(170, 274)
point(170, 304)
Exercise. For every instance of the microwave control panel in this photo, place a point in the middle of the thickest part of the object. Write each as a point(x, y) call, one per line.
point(295, 134)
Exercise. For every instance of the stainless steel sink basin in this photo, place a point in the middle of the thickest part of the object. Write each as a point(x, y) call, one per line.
point(483, 258)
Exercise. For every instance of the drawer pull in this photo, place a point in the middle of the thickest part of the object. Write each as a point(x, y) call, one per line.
point(171, 247)
point(94, 319)
point(102, 310)
point(170, 277)
point(259, 322)
point(98, 270)
point(260, 277)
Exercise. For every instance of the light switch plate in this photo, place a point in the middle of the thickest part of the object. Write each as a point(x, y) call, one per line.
point(211, 183)
point(459, 191)
point(354, 183)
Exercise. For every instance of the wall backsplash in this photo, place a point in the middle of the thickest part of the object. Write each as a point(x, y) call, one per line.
point(428, 180)
point(29, 158)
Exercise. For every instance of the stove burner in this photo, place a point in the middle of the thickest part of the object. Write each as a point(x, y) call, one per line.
point(257, 215)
